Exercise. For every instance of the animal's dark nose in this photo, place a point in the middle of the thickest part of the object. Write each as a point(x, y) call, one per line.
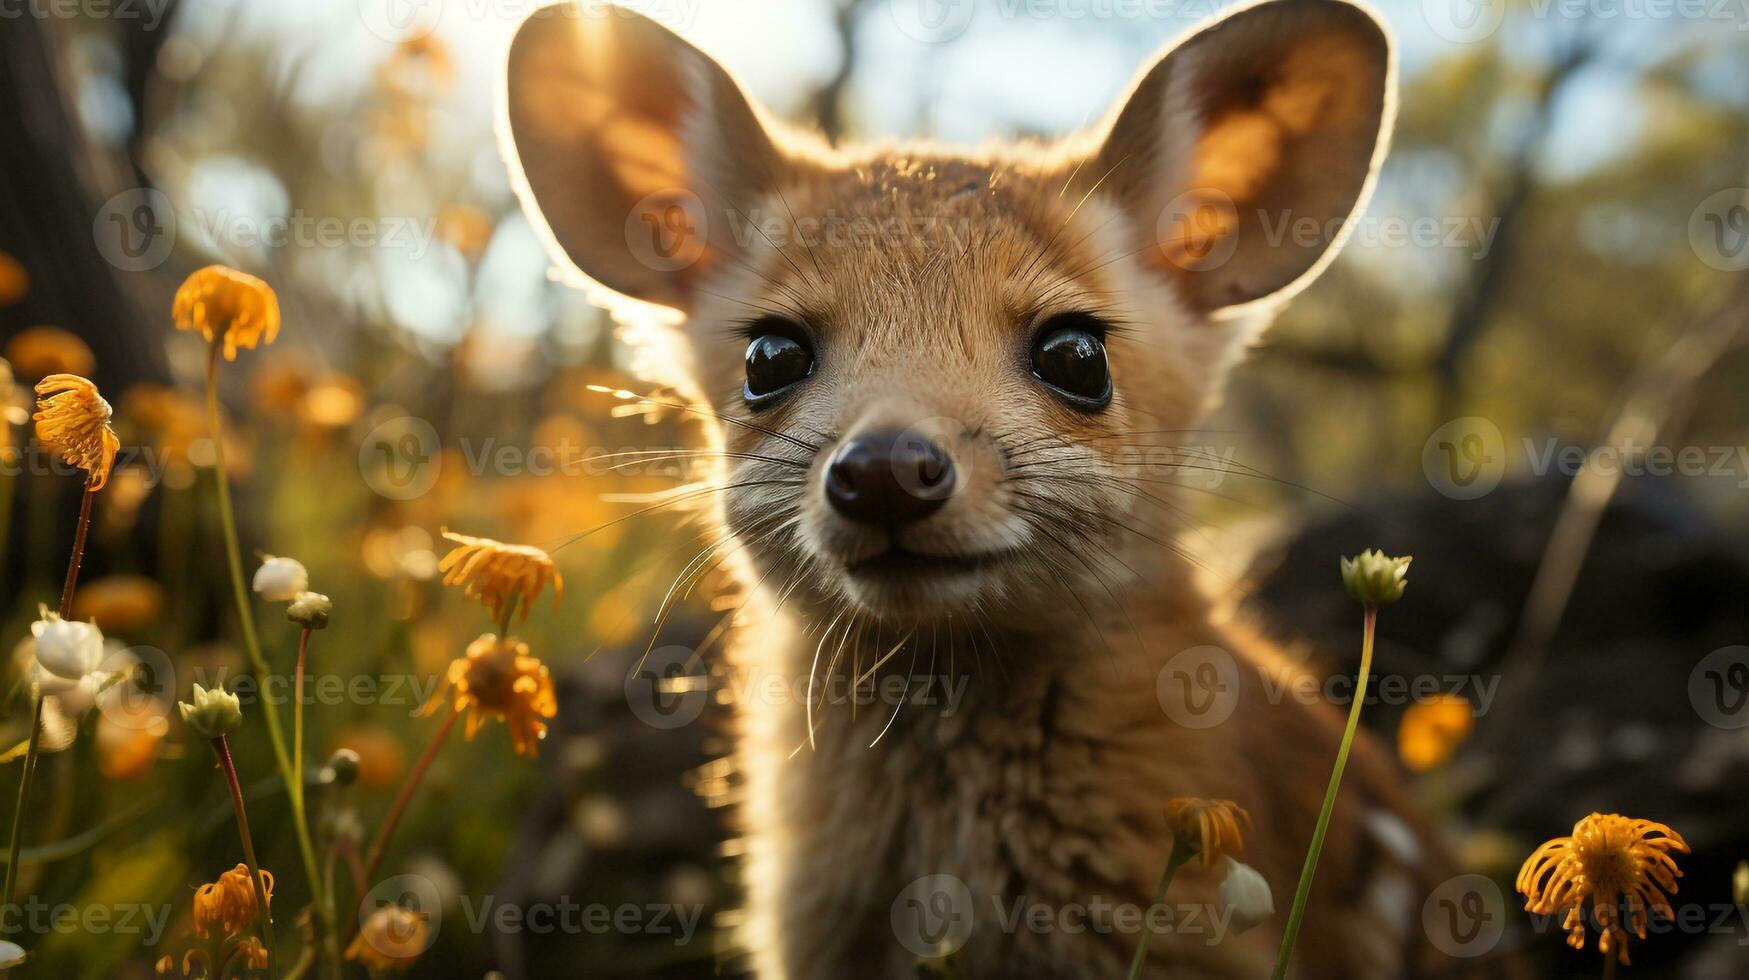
point(889, 478)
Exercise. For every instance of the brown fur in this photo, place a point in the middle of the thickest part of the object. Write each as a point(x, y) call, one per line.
point(1047, 783)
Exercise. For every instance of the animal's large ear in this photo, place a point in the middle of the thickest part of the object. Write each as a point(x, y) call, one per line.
point(1248, 148)
point(633, 152)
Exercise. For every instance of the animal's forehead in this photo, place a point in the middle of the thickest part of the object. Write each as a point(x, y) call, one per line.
point(900, 238)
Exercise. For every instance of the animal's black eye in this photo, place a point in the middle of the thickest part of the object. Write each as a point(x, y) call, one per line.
point(1069, 355)
point(778, 356)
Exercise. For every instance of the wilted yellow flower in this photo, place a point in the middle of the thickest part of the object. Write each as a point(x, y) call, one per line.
point(73, 419)
point(254, 954)
point(1212, 826)
point(219, 301)
point(501, 680)
point(1433, 729)
point(228, 906)
point(1608, 856)
point(391, 939)
point(499, 574)
point(14, 280)
point(41, 351)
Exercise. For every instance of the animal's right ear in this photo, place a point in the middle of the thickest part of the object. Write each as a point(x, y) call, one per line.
point(634, 154)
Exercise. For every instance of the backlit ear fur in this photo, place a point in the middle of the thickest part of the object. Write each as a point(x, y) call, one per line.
point(1277, 113)
point(631, 151)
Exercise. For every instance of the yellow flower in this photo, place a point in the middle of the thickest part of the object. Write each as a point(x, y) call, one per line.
point(1607, 857)
point(499, 574)
point(219, 301)
point(73, 419)
point(501, 680)
point(227, 906)
point(392, 938)
point(1433, 729)
point(1212, 826)
point(42, 351)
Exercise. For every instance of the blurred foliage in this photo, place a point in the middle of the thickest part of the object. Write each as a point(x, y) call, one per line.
point(1591, 144)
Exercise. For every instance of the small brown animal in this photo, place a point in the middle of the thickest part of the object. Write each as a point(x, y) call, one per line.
point(943, 384)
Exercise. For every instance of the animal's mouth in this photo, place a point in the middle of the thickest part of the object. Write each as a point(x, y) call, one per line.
point(897, 562)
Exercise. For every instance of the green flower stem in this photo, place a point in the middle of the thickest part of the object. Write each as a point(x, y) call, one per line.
point(298, 723)
point(222, 749)
point(379, 846)
point(31, 751)
point(1181, 852)
point(233, 555)
point(1304, 891)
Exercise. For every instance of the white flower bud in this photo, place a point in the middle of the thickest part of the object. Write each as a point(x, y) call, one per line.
point(66, 648)
point(1246, 896)
point(281, 579)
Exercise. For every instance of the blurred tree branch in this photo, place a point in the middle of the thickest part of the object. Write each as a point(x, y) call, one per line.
point(1476, 305)
point(828, 101)
point(58, 181)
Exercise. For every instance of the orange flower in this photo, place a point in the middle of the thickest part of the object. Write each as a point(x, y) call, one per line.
point(1213, 826)
point(253, 952)
point(221, 302)
point(392, 938)
point(119, 603)
point(1432, 730)
point(499, 574)
point(501, 679)
point(42, 351)
point(14, 281)
point(73, 419)
point(381, 757)
point(1607, 857)
point(467, 227)
point(227, 906)
point(128, 734)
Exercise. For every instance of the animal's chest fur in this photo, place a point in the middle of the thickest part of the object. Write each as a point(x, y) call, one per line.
point(1029, 798)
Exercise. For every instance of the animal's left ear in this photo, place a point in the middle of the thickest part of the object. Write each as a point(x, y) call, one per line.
point(1248, 148)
